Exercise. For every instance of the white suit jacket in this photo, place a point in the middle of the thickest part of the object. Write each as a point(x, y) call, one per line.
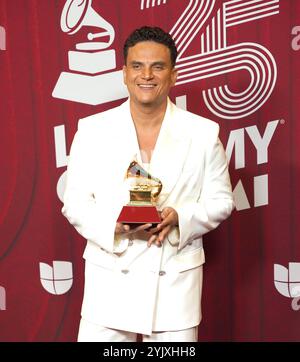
point(132, 287)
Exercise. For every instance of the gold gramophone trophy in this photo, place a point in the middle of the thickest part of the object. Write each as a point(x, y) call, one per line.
point(144, 190)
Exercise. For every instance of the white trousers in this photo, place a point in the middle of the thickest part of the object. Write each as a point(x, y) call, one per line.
point(89, 332)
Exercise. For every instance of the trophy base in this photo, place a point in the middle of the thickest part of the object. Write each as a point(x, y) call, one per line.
point(137, 215)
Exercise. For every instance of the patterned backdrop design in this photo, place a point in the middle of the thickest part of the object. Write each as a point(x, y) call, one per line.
point(61, 60)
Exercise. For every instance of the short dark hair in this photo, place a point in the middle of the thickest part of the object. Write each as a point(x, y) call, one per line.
point(148, 33)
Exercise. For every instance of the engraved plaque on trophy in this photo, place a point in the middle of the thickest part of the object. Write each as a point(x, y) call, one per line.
point(144, 190)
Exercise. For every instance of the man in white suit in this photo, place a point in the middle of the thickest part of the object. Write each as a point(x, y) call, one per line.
point(147, 280)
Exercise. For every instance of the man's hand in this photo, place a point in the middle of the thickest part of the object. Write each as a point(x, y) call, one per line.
point(125, 229)
point(169, 220)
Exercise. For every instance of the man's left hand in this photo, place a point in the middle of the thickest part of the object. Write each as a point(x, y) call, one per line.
point(169, 218)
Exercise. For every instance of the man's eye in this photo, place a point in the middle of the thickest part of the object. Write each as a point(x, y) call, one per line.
point(136, 66)
point(158, 67)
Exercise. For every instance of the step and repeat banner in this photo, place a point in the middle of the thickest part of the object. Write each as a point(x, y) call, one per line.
point(61, 60)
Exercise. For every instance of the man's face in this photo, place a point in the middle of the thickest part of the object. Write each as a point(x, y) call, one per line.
point(148, 73)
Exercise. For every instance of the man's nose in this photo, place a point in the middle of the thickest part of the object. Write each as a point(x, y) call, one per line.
point(147, 73)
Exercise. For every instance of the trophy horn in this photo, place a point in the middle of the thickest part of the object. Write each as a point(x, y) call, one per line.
point(135, 170)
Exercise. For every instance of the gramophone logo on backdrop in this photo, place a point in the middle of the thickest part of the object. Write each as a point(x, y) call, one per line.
point(287, 282)
point(57, 279)
point(91, 59)
point(99, 82)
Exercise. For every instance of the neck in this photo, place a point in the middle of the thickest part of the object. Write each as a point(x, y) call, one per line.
point(147, 116)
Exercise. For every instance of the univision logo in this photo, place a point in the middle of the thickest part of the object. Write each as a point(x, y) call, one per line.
point(287, 282)
point(57, 279)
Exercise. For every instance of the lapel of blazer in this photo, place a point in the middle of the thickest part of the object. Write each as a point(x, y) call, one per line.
point(129, 149)
point(126, 149)
point(170, 151)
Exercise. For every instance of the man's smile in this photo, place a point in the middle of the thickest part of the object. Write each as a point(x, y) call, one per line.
point(146, 86)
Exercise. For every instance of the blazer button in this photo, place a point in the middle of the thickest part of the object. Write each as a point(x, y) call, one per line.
point(125, 271)
point(161, 273)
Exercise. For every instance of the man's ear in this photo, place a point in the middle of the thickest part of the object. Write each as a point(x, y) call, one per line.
point(174, 76)
point(125, 74)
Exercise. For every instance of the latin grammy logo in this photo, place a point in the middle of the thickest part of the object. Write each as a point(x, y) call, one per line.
point(89, 80)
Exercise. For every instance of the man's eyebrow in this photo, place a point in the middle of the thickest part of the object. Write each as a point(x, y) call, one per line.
point(160, 62)
point(135, 62)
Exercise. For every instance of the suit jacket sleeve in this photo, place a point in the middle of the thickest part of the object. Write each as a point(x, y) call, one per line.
point(80, 206)
point(215, 202)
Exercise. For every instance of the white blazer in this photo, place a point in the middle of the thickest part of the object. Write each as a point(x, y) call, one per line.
point(133, 287)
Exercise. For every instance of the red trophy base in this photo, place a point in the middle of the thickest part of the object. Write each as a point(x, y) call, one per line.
point(137, 215)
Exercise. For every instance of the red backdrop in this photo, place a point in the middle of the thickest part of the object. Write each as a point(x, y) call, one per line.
point(237, 66)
